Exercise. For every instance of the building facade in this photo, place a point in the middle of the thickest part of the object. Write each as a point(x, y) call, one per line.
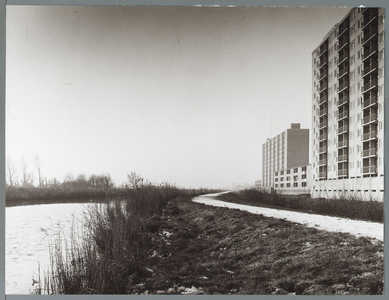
point(296, 180)
point(348, 106)
point(287, 150)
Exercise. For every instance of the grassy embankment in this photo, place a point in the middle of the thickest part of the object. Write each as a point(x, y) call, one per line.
point(150, 245)
point(345, 207)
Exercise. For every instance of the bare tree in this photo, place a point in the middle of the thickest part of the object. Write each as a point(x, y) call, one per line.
point(27, 178)
point(134, 180)
point(11, 172)
point(38, 165)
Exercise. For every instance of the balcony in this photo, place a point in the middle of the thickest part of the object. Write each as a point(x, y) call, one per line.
point(322, 162)
point(342, 115)
point(323, 60)
point(323, 111)
point(343, 57)
point(369, 170)
point(342, 172)
point(369, 119)
point(343, 100)
point(369, 136)
point(369, 102)
point(342, 129)
point(342, 144)
point(322, 175)
point(323, 99)
point(343, 72)
point(323, 74)
point(323, 49)
point(323, 124)
point(369, 85)
point(368, 36)
point(323, 86)
point(369, 51)
point(367, 19)
point(369, 68)
point(342, 158)
point(369, 152)
point(343, 86)
point(323, 137)
point(322, 150)
point(343, 41)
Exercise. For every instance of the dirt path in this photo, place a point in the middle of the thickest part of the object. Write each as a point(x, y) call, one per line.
point(334, 224)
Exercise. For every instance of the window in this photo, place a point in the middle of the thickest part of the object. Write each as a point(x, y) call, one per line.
point(304, 169)
point(360, 38)
point(295, 184)
point(276, 179)
point(287, 171)
point(360, 53)
point(381, 72)
point(381, 37)
point(282, 179)
point(288, 185)
point(276, 173)
point(382, 19)
point(303, 176)
point(352, 44)
point(352, 29)
point(276, 185)
point(360, 69)
point(360, 21)
point(288, 178)
point(303, 184)
point(282, 185)
point(352, 89)
point(381, 89)
point(352, 16)
point(282, 172)
point(295, 170)
point(381, 55)
point(352, 60)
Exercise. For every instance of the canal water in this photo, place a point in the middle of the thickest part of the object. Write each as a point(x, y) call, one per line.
point(27, 240)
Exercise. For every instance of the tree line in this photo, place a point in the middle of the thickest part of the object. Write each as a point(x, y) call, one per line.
point(21, 176)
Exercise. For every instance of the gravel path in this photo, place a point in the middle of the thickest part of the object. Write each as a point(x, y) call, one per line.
point(336, 224)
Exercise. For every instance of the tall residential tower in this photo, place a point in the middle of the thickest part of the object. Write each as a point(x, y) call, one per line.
point(348, 106)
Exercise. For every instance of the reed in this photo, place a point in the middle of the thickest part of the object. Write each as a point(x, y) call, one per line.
point(105, 255)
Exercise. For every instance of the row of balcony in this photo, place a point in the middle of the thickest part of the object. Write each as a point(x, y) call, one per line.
point(368, 17)
point(344, 172)
point(342, 86)
point(322, 86)
point(323, 124)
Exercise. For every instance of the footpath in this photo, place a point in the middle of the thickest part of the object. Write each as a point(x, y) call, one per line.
point(334, 224)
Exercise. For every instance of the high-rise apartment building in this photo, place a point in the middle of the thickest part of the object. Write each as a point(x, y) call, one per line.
point(348, 106)
point(287, 150)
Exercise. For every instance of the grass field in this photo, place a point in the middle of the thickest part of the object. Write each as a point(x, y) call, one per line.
point(206, 250)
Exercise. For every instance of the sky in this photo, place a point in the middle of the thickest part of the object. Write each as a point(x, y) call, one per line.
point(186, 95)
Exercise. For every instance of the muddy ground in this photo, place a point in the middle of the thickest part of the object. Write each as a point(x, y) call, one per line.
point(198, 249)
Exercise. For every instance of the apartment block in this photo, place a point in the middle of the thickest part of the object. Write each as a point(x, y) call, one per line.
point(296, 180)
point(348, 106)
point(287, 150)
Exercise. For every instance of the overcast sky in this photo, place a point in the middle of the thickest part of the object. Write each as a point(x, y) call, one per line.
point(180, 94)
